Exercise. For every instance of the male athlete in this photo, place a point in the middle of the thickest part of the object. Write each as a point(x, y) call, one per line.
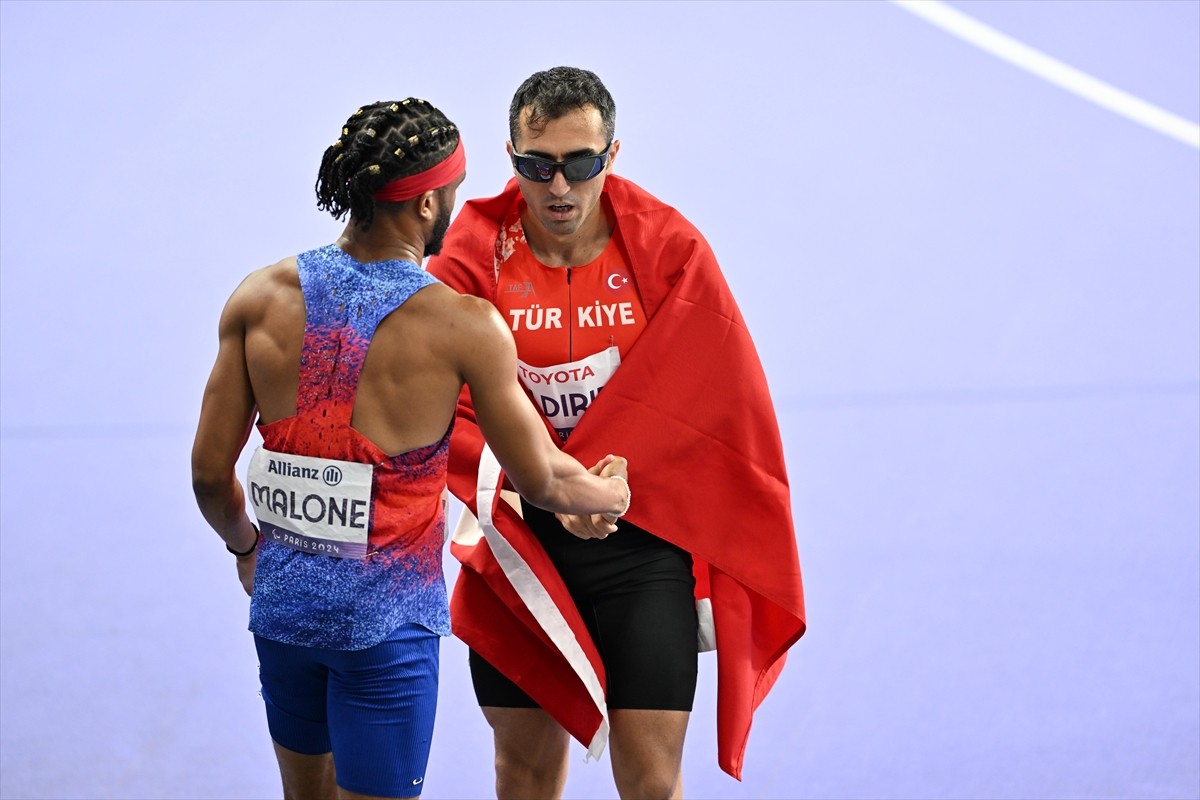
point(627, 336)
point(353, 358)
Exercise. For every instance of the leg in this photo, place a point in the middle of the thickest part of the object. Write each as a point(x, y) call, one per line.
point(647, 636)
point(382, 702)
point(646, 748)
point(531, 748)
point(343, 794)
point(294, 683)
point(531, 753)
point(305, 777)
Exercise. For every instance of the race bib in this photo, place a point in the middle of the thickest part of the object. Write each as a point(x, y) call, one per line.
point(315, 505)
point(565, 391)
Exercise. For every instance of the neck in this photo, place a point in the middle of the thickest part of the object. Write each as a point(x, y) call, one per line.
point(572, 250)
point(384, 241)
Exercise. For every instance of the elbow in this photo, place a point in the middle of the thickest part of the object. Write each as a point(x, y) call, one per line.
point(208, 480)
point(204, 488)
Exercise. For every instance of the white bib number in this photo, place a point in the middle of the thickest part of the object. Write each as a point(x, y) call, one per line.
point(316, 505)
point(565, 391)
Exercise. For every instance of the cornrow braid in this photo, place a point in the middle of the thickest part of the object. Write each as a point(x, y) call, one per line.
point(380, 143)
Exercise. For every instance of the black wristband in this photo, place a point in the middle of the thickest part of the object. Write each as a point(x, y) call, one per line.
point(253, 547)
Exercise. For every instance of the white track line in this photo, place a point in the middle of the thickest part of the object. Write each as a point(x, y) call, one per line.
point(1052, 70)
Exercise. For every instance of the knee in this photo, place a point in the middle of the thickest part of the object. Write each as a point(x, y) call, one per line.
point(523, 773)
point(652, 786)
point(525, 761)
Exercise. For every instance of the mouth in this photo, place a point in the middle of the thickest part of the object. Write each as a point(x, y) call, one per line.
point(560, 210)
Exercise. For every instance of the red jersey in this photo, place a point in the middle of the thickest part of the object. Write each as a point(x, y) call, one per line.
point(572, 325)
point(692, 393)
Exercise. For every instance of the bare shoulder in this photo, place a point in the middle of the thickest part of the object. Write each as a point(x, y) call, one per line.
point(463, 328)
point(457, 313)
point(277, 284)
point(280, 276)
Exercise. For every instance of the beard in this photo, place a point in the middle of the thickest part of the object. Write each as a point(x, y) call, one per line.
point(440, 225)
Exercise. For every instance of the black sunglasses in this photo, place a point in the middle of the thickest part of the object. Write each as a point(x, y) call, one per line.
point(575, 170)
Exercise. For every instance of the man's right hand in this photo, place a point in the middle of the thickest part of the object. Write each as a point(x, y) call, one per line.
point(245, 571)
point(596, 526)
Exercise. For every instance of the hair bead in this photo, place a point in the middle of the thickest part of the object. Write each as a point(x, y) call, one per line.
point(356, 165)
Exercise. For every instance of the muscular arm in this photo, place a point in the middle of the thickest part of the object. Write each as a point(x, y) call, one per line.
point(538, 470)
point(226, 414)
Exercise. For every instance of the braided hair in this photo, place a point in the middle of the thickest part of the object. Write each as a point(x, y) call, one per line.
point(556, 92)
point(380, 143)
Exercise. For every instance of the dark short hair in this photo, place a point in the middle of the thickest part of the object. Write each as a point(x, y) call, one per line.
point(380, 143)
point(556, 92)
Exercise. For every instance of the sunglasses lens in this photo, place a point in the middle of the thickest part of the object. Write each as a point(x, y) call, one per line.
point(576, 170)
point(534, 169)
point(581, 169)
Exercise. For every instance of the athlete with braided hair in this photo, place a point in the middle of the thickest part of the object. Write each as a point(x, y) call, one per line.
point(352, 358)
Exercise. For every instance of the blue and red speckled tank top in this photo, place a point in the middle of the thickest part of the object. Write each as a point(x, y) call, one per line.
point(341, 568)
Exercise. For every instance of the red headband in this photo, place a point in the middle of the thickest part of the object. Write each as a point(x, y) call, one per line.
point(437, 176)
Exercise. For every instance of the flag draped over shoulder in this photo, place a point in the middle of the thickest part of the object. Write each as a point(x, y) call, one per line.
point(689, 407)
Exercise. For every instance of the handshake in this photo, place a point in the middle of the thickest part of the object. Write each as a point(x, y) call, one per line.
point(599, 526)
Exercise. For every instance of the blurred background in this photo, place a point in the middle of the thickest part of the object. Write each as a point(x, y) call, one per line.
point(976, 295)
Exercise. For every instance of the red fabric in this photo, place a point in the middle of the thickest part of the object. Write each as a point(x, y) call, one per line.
point(491, 617)
point(598, 301)
point(691, 411)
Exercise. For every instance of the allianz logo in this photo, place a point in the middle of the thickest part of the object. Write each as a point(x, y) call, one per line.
point(330, 476)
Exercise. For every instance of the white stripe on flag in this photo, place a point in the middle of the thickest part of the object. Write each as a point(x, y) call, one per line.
point(535, 596)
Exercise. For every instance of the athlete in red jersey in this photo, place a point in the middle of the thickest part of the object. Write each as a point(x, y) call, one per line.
point(572, 324)
point(573, 629)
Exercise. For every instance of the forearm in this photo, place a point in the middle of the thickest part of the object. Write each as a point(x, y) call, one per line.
point(223, 505)
point(571, 489)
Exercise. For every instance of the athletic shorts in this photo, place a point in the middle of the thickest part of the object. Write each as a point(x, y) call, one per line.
point(636, 594)
point(373, 708)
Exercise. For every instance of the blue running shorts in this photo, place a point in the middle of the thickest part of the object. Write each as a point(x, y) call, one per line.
point(373, 708)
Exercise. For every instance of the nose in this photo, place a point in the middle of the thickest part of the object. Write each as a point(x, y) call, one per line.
point(559, 186)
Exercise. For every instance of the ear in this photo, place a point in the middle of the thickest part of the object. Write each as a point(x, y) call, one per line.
point(508, 148)
point(425, 204)
point(612, 155)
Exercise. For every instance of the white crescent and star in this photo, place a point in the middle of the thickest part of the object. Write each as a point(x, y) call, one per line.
point(621, 281)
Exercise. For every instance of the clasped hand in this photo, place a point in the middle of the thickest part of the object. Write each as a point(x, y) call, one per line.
point(596, 526)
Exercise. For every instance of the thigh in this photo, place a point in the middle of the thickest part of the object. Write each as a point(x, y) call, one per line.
point(647, 752)
point(647, 639)
point(294, 690)
point(382, 702)
point(531, 752)
point(636, 594)
point(493, 688)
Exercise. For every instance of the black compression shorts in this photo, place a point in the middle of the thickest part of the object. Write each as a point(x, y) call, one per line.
point(636, 594)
